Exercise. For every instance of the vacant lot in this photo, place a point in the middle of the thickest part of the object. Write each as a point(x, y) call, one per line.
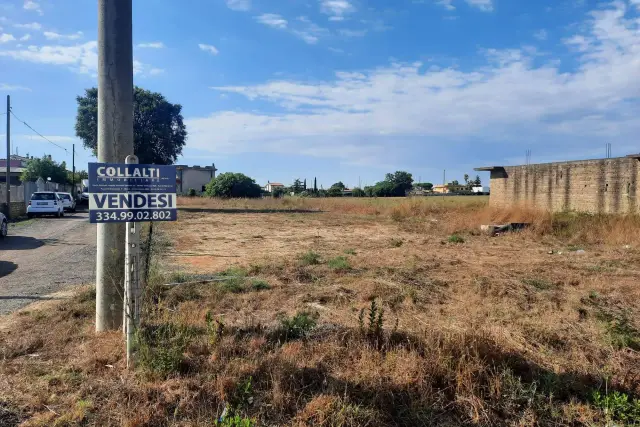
point(352, 313)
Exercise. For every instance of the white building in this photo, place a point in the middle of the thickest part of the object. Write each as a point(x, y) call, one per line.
point(196, 177)
point(272, 185)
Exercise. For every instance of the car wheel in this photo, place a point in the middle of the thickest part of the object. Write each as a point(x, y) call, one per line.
point(3, 229)
point(62, 213)
point(29, 216)
point(58, 214)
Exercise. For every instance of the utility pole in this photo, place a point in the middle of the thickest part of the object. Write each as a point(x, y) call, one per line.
point(73, 171)
point(115, 143)
point(8, 182)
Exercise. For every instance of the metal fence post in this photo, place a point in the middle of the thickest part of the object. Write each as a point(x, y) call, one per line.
point(131, 279)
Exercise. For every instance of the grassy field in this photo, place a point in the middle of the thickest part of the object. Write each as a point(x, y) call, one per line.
point(351, 312)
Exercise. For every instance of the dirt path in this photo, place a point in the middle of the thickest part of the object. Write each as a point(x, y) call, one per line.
point(44, 256)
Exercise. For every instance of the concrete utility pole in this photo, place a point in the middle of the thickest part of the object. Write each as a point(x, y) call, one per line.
point(73, 171)
point(8, 182)
point(115, 143)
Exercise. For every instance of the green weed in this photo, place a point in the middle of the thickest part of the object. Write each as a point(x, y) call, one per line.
point(618, 406)
point(455, 238)
point(539, 284)
point(310, 258)
point(161, 347)
point(350, 251)
point(260, 285)
point(298, 326)
point(339, 264)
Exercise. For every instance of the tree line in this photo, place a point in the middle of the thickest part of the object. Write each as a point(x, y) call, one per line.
point(397, 184)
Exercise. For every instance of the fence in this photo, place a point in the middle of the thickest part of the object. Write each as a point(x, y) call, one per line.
point(22, 193)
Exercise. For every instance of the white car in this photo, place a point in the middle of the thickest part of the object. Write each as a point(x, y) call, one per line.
point(4, 226)
point(68, 204)
point(45, 203)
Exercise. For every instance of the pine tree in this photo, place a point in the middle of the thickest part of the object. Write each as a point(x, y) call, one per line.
point(315, 185)
point(304, 186)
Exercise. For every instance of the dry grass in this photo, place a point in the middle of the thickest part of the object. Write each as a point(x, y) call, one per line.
point(488, 331)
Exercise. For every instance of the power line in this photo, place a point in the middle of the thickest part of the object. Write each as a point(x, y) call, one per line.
point(38, 133)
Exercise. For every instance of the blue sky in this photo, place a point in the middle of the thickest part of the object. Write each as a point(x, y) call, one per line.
point(346, 89)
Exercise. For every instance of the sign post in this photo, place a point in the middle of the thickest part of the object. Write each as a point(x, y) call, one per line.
point(131, 193)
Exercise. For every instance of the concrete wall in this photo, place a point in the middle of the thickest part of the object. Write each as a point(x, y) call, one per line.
point(596, 186)
point(17, 209)
point(194, 178)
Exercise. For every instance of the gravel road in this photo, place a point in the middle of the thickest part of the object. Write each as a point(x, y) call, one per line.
point(43, 256)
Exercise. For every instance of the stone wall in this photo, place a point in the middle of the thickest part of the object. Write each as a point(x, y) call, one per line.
point(17, 209)
point(596, 186)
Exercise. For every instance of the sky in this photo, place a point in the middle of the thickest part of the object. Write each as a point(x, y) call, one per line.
point(345, 90)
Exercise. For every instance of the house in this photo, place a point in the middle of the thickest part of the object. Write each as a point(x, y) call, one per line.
point(272, 185)
point(477, 189)
point(441, 189)
point(17, 165)
point(595, 186)
point(196, 177)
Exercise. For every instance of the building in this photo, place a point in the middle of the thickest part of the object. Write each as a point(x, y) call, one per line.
point(440, 189)
point(196, 177)
point(271, 186)
point(17, 165)
point(595, 186)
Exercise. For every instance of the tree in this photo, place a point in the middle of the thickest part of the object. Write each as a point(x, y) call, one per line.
point(80, 175)
point(45, 168)
point(277, 192)
point(424, 185)
point(159, 132)
point(402, 182)
point(304, 185)
point(466, 178)
point(233, 185)
point(315, 185)
point(336, 189)
point(358, 192)
point(297, 186)
point(477, 181)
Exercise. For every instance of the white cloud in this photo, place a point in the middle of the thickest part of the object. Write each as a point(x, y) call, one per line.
point(208, 48)
point(509, 99)
point(82, 58)
point(338, 9)
point(4, 38)
point(272, 20)
point(353, 33)
point(447, 4)
point(239, 5)
point(154, 45)
point(484, 5)
point(32, 5)
point(156, 71)
point(306, 36)
point(32, 26)
point(541, 34)
point(8, 88)
point(50, 35)
point(25, 37)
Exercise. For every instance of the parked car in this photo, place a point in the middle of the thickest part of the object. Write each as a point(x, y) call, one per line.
point(4, 226)
point(68, 204)
point(45, 203)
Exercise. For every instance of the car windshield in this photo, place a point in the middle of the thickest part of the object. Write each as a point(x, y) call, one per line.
point(43, 196)
point(65, 196)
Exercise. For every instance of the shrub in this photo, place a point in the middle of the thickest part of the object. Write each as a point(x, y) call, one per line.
point(191, 192)
point(161, 347)
point(310, 258)
point(455, 238)
point(260, 285)
point(339, 264)
point(618, 406)
point(233, 185)
point(350, 251)
point(539, 284)
point(297, 326)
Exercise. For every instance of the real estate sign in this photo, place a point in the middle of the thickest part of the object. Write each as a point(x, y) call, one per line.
point(132, 193)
